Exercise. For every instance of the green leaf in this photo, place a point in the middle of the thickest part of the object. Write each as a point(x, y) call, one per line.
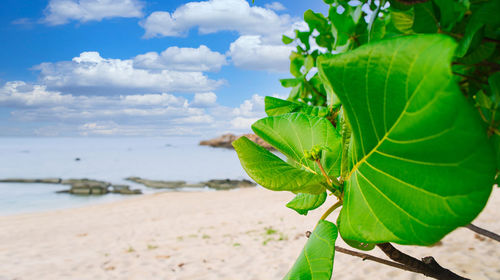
point(286, 40)
point(316, 21)
point(451, 12)
point(296, 63)
point(402, 21)
point(422, 163)
point(293, 134)
point(291, 82)
point(271, 172)
point(359, 245)
point(486, 14)
point(315, 262)
point(304, 202)
point(482, 52)
point(494, 82)
point(425, 20)
point(309, 63)
point(275, 106)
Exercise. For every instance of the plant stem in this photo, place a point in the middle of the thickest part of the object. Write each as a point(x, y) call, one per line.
point(483, 232)
point(375, 259)
point(427, 266)
point(331, 181)
point(331, 209)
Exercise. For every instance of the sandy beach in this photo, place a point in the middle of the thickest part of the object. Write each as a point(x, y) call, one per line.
point(241, 234)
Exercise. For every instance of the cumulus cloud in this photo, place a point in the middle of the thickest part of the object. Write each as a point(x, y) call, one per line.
point(217, 15)
point(248, 112)
point(90, 71)
point(243, 123)
point(207, 99)
point(182, 59)
point(277, 6)
point(249, 52)
point(19, 93)
point(60, 12)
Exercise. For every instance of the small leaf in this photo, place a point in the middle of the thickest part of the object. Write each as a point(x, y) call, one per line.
point(402, 21)
point(291, 82)
point(276, 107)
point(293, 134)
point(487, 14)
point(286, 40)
point(304, 202)
point(316, 259)
point(296, 63)
point(451, 12)
point(271, 172)
point(309, 63)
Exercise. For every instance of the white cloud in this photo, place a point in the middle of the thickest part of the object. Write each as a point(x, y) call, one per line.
point(243, 123)
point(207, 99)
point(277, 6)
point(18, 93)
point(253, 107)
point(163, 99)
point(182, 59)
point(62, 11)
point(249, 52)
point(217, 15)
point(90, 70)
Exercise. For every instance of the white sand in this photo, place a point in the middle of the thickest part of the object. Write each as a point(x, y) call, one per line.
point(213, 235)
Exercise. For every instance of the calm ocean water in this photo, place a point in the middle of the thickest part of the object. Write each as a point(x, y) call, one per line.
point(108, 159)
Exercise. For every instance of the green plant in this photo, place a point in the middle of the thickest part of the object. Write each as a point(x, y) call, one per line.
point(395, 116)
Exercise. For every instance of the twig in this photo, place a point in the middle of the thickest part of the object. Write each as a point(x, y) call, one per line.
point(373, 258)
point(331, 209)
point(427, 266)
point(483, 232)
point(329, 179)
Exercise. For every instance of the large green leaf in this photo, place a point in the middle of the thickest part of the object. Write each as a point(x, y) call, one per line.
point(271, 172)
point(316, 259)
point(293, 134)
point(422, 163)
point(276, 107)
point(304, 202)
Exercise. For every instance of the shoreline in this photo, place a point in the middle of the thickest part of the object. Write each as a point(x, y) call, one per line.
point(239, 234)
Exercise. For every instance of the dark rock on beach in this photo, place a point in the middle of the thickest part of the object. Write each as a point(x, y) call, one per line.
point(225, 141)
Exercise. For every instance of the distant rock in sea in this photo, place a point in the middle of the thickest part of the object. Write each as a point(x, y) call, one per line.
point(80, 186)
point(225, 184)
point(224, 141)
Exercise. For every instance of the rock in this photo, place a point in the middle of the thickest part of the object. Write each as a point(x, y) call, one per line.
point(42, 181)
point(228, 184)
point(159, 184)
point(86, 183)
point(225, 141)
point(124, 189)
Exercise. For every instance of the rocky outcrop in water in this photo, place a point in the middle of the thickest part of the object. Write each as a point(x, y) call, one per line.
point(225, 184)
point(42, 181)
point(80, 186)
point(225, 141)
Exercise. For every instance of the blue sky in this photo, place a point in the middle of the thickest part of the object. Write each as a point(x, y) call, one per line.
point(131, 67)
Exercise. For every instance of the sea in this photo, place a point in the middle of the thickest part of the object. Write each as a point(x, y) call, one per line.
point(108, 159)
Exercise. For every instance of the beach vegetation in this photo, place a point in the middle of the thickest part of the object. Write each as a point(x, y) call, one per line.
point(392, 121)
